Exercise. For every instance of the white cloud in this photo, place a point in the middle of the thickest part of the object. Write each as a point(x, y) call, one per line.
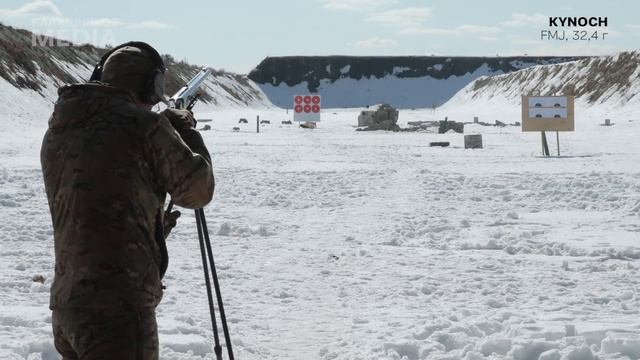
point(422, 30)
point(519, 40)
point(45, 14)
point(35, 8)
point(375, 42)
point(459, 30)
point(412, 17)
point(476, 29)
point(519, 19)
point(103, 23)
point(52, 21)
point(572, 49)
point(488, 38)
point(411, 21)
point(65, 22)
point(356, 5)
point(631, 30)
point(155, 25)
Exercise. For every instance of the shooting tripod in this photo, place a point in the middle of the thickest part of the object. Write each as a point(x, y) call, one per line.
point(186, 98)
point(207, 254)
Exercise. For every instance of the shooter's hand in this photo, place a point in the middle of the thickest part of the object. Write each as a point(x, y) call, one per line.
point(181, 120)
point(170, 221)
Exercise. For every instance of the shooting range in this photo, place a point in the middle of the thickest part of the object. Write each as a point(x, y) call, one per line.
point(417, 221)
point(548, 113)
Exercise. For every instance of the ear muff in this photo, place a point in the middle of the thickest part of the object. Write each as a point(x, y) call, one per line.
point(153, 91)
point(152, 88)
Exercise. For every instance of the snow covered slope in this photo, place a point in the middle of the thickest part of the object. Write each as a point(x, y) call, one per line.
point(402, 81)
point(333, 244)
point(605, 87)
point(228, 91)
point(41, 69)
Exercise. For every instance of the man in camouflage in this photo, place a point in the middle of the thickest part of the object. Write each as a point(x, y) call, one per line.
point(108, 162)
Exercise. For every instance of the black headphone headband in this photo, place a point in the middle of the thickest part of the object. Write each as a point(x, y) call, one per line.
point(157, 59)
point(152, 88)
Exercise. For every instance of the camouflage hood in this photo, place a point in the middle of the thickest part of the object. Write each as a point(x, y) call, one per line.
point(81, 101)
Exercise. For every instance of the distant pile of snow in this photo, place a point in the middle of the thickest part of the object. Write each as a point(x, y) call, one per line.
point(404, 82)
point(403, 92)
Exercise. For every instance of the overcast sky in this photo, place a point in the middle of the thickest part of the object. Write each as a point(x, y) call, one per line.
point(236, 35)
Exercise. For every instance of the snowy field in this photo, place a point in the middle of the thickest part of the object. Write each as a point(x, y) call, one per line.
point(337, 244)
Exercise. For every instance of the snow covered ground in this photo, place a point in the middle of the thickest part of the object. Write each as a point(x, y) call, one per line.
point(337, 244)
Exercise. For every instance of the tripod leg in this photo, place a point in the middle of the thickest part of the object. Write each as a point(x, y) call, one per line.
point(223, 318)
point(217, 348)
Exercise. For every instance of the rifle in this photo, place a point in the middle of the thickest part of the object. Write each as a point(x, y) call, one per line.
point(186, 98)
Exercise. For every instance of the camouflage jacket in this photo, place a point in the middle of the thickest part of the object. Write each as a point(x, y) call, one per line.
point(107, 166)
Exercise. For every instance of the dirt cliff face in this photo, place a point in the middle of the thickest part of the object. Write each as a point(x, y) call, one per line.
point(23, 62)
point(319, 74)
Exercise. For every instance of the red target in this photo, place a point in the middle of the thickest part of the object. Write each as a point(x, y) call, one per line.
point(307, 107)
